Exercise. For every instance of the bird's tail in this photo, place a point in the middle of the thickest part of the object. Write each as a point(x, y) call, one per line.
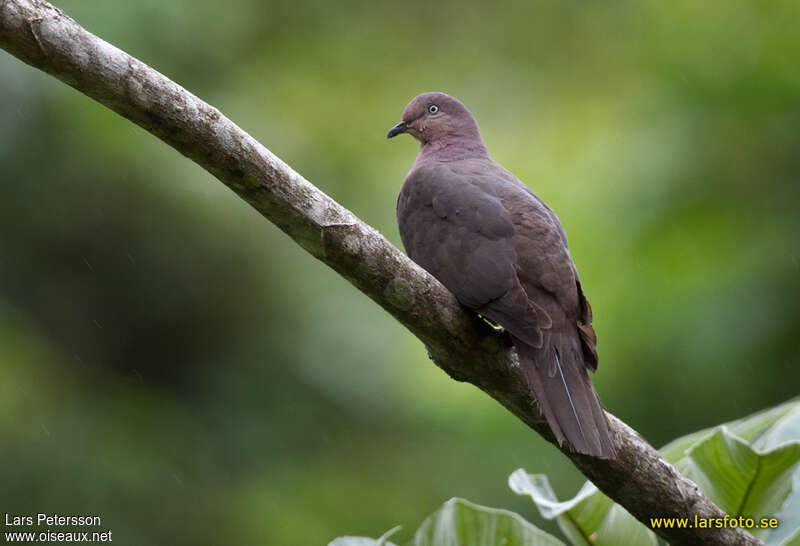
point(557, 375)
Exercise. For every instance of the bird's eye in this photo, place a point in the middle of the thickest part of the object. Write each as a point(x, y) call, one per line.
point(432, 109)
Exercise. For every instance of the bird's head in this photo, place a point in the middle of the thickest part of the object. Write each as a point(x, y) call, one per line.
point(433, 117)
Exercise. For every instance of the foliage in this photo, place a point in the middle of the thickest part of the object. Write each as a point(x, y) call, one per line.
point(461, 522)
point(749, 468)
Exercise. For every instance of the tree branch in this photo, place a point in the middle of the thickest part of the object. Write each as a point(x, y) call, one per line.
point(46, 38)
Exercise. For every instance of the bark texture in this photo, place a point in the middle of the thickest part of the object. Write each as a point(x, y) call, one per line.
point(45, 37)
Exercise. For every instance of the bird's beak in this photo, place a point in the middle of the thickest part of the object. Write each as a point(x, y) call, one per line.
point(397, 129)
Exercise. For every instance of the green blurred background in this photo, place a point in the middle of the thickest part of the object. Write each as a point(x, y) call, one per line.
point(172, 362)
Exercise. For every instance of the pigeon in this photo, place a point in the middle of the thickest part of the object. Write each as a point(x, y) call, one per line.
point(503, 253)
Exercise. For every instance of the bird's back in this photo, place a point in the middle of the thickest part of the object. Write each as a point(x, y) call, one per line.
point(503, 252)
point(473, 202)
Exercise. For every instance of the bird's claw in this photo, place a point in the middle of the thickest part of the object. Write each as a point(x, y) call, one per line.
point(496, 327)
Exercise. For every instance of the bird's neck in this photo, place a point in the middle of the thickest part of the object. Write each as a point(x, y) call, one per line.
point(453, 148)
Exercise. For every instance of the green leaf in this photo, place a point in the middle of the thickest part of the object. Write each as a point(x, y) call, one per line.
point(788, 531)
point(793, 540)
point(784, 430)
point(754, 429)
point(460, 522)
point(740, 480)
point(748, 467)
point(588, 519)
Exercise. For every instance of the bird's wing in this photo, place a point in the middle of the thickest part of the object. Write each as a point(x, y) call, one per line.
point(499, 250)
point(464, 235)
point(546, 270)
point(557, 373)
point(544, 277)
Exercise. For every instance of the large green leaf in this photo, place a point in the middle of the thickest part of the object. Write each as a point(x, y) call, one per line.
point(588, 519)
point(740, 480)
point(748, 467)
point(459, 522)
point(788, 532)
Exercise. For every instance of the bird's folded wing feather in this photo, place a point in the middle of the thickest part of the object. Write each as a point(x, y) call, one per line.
point(464, 236)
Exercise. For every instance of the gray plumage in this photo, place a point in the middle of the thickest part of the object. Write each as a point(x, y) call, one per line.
point(503, 253)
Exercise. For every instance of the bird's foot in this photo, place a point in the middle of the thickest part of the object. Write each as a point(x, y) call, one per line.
point(496, 327)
